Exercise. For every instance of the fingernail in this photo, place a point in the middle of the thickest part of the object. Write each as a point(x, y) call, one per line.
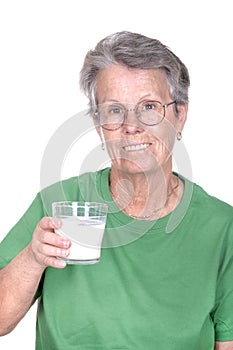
point(61, 263)
point(66, 244)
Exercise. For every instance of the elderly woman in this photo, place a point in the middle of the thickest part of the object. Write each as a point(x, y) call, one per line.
point(165, 276)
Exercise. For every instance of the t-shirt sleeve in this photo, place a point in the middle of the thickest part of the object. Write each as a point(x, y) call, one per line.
point(21, 234)
point(223, 312)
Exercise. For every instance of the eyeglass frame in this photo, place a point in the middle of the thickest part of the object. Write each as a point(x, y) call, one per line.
point(126, 110)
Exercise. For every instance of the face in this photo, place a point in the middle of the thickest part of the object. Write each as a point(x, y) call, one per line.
point(135, 147)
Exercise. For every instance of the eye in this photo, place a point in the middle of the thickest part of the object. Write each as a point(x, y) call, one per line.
point(114, 110)
point(151, 105)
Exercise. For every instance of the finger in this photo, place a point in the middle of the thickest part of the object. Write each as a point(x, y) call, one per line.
point(54, 239)
point(49, 223)
point(48, 250)
point(52, 261)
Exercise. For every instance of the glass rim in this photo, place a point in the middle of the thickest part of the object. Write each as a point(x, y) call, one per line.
point(80, 204)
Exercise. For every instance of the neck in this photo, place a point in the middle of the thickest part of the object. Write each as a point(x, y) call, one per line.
point(142, 194)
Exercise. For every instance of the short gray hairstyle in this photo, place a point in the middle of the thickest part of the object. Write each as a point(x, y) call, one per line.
point(134, 51)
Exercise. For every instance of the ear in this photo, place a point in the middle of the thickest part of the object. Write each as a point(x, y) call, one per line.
point(97, 127)
point(182, 116)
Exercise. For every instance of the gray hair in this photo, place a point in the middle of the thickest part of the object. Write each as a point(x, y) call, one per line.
point(134, 51)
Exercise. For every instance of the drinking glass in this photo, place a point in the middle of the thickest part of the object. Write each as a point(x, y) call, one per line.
point(83, 223)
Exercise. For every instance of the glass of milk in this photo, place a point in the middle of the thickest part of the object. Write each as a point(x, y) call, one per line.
point(83, 223)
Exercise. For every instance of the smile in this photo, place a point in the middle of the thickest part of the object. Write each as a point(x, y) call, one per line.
point(138, 147)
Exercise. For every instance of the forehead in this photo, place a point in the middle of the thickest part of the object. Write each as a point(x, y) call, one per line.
point(127, 85)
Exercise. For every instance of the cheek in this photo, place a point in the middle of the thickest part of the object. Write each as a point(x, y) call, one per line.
point(113, 146)
point(164, 136)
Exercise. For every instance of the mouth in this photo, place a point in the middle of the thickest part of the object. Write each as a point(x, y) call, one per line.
point(137, 147)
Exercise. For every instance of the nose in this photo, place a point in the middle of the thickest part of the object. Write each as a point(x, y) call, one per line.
point(132, 125)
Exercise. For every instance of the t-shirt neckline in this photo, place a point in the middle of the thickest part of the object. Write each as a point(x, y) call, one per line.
point(168, 222)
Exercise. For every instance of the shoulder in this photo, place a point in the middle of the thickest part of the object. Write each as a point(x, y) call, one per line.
point(210, 204)
point(211, 214)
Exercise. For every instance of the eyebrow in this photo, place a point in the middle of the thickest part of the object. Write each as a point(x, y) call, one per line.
point(142, 98)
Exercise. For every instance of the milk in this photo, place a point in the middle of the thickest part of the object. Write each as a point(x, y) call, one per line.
point(86, 236)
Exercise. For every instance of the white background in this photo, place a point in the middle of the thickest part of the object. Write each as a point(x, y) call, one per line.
point(43, 44)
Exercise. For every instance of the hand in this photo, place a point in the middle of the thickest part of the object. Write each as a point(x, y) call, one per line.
point(46, 245)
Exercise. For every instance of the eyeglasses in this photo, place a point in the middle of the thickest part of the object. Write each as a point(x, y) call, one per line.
point(111, 116)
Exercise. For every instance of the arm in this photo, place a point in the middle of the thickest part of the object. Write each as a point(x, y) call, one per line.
point(224, 345)
point(19, 280)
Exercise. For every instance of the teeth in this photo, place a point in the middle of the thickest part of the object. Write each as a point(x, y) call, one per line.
point(136, 147)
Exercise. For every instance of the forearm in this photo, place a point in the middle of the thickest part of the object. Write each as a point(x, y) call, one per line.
point(19, 280)
point(224, 345)
point(18, 284)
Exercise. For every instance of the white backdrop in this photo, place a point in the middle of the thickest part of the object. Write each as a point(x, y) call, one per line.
point(43, 44)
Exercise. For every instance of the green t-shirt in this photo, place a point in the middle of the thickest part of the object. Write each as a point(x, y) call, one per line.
point(166, 284)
